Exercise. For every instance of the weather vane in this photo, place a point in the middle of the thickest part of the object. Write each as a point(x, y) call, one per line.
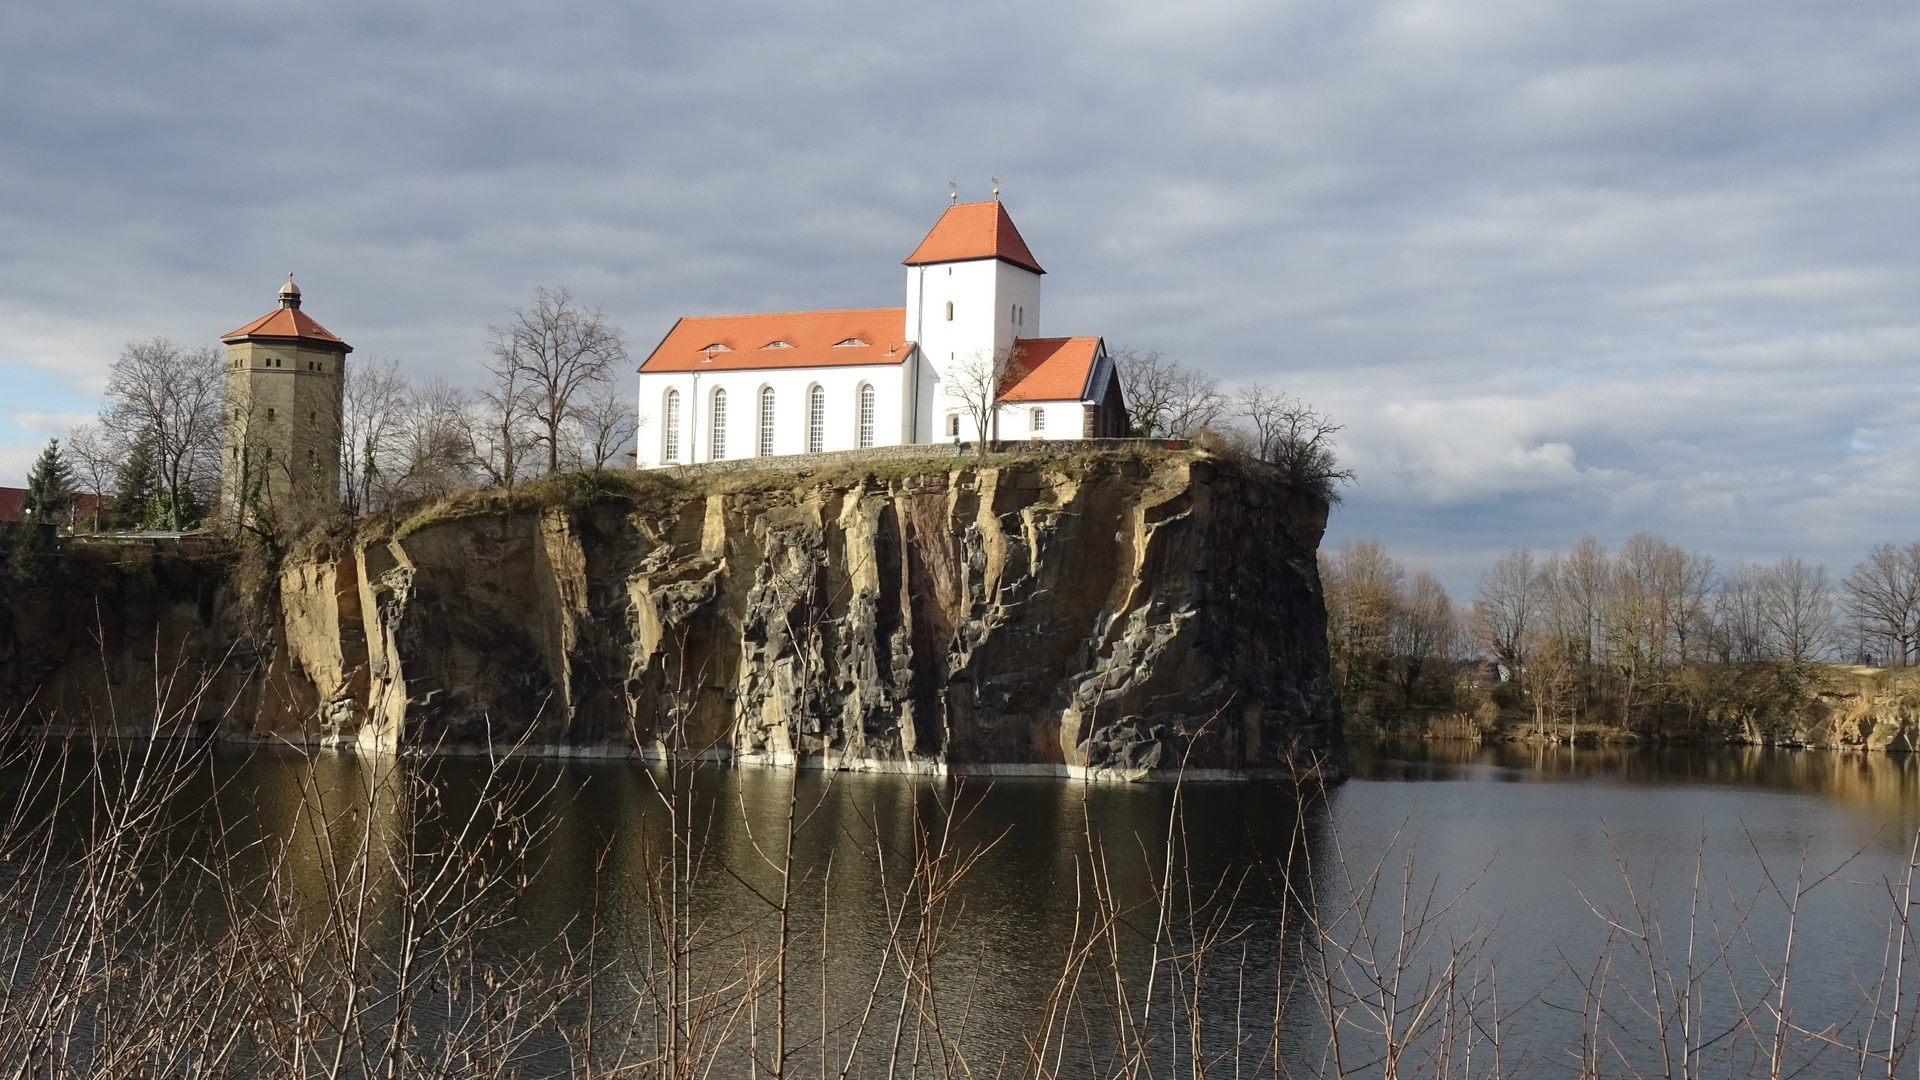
point(996, 187)
point(955, 193)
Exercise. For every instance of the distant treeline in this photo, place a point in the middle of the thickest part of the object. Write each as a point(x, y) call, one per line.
point(1652, 638)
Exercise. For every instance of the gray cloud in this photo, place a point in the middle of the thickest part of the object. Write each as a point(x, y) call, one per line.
point(1559, 267)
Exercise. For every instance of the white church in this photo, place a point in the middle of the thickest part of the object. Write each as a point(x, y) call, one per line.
point(795, 382)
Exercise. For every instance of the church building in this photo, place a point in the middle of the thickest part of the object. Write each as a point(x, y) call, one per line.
point(729, 386)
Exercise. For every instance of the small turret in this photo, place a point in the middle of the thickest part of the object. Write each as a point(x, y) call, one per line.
point(290, 295)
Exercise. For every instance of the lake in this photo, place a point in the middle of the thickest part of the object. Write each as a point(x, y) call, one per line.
point(1450, 910)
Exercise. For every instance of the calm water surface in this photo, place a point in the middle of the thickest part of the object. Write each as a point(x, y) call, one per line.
point(1530, 841)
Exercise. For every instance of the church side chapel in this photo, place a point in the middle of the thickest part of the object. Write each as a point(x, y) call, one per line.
point(796, 382)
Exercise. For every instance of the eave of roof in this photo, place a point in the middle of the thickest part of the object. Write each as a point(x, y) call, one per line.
point(286, 324)
point(812, 339)
point(968, 231)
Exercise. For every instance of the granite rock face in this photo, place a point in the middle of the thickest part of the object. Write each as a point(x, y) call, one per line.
point(1122, 615)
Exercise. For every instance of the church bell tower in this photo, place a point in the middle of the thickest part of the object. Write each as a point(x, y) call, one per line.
point(280, 460)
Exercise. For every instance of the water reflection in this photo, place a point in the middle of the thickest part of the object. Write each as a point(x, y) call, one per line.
point(1887, 783)
point(1536, 836)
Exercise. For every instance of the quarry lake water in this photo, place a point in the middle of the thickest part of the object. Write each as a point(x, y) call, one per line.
point(1524, 848)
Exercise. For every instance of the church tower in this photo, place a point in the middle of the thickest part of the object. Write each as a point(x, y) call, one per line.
point(973, 288)
point(280, 460)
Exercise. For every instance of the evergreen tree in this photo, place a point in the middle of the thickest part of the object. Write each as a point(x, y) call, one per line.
point(133, 501)
point(49, 487)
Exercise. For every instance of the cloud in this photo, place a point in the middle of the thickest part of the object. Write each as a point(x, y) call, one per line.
point(57, 424)
point(1558, 267)
point(16, 462)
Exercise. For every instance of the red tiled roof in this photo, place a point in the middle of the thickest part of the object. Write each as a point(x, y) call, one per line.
point(980, 230)
point(12, 499)
point(1057, 369)
point(285, 323)
point(811, 339)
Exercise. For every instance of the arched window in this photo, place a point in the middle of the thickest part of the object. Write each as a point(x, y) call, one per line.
point(670, 428)
point(717, 426)
point(816, 419)
point(766, 421)
point(1037, 419)
point(949, 311)
point(866, 415)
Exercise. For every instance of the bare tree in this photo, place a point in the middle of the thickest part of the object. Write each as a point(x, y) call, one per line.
point(97, 459)
point(1739, 619)
point(978, 380)
point(1585, 578)
point(1506, 608)
point(1165, 399)
point(375, 404)
point(1882, 595)
point(1291, 436)
point(432, 452)
point(1425, 632)
point(544, 359)
point(602, 426)
point(500, 432)
point(169, 400)
point(1797, 606)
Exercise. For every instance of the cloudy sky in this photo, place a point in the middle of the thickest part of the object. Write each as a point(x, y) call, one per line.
point(1559, 267)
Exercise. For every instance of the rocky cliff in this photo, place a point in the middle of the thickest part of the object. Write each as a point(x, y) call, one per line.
point(1118, 613)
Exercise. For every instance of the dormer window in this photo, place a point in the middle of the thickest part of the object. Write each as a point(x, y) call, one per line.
point(850, 343)
point(776, 345)
point(716, 347)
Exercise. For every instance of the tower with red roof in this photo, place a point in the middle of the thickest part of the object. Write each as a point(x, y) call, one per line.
point(280, 461)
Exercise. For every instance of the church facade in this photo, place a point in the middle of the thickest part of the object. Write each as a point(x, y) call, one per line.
point(731, 386)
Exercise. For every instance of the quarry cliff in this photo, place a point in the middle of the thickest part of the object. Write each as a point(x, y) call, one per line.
point(1114, 614)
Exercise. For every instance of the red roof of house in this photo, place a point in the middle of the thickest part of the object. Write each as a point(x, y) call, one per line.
point(12, 499)
point(783, 339)
point(286, 323)
point(1057, 369)
point(980, 230)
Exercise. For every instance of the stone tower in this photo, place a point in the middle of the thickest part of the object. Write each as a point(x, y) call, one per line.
point(281, 458)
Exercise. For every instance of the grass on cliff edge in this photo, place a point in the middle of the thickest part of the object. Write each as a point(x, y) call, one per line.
point(661, 489)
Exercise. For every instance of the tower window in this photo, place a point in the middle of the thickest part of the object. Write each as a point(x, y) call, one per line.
point(312, 416)
point(953, 425)
point(269, 414)
point(949, 311)
point(866, 415)
point(816, 419)
point(766, 421)
point(670, 447)
point(717, 433)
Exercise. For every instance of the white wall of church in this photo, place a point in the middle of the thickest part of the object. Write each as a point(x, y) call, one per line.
point(892, 420)
point(994, 303)
point(1018, 420)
